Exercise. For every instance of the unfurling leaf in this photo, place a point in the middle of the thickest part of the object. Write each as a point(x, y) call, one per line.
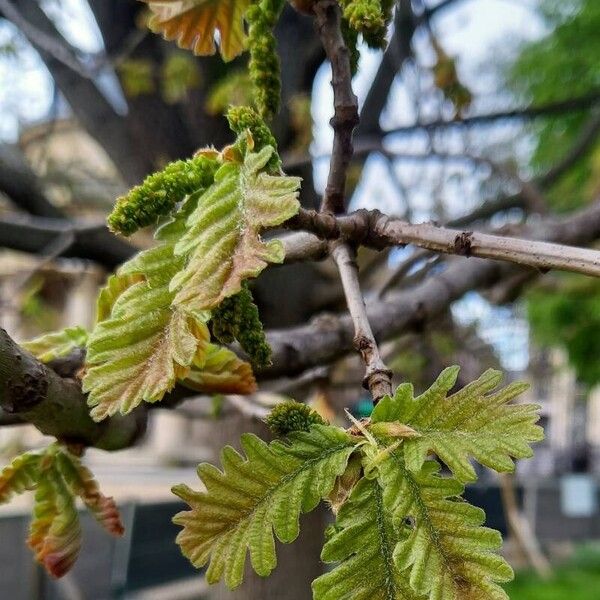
point(223, 239)
point(220, 372)
point(49, 346)
point(448, 554)
point(473, 422)
point(193, 24)
point(55, 531)
point(363, 544)
point(20, 476)
point(255, 495)
point(139, 352)
point(58, 477)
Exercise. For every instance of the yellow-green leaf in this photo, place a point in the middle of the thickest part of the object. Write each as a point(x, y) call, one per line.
point(223, 239)
point(193, 24)
point(474, 422)
point(19, 476)
point(255, 495)
point(53, 345)
point(139, 352)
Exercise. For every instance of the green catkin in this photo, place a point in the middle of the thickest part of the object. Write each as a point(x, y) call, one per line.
point(159, 193)
point(244, 118)
point(264, 66)
point(237, 318)
point(292, 416)
point(370, 18)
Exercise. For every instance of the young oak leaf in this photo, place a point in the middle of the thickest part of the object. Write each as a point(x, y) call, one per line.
point(223, 240)
point(55, 531)
point(474, 422)
point(146, 345)
point(19, 476)
point(363, 544)
point(253, 496)
point(53, 345)
point(449, 555)
point(81, 482)
point(193, 24)
point(220, 371)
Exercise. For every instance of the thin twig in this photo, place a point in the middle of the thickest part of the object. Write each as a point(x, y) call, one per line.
point(378, 378)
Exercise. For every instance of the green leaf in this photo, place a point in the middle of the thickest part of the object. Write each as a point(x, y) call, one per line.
point(223, 233)
point(20, 476)
point(220, 371)
point(193, 24)
point(474, 422)
point(449, 555)
point(139, 352)
point(53, 345)
point(254, 495)
point(363, 544)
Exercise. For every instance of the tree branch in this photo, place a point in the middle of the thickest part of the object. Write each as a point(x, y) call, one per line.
point(376, 230)
point(330, 337)
point(34, 393)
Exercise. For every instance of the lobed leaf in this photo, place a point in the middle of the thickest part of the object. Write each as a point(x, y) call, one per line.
point(53, 345)
point(223, 239)
point(363, 543)
point(194, 24)
point(256, 495)
point(448, 554)
point(473, 422)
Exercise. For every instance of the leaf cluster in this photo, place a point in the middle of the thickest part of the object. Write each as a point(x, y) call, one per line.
point(57, 477)
point(402, 530)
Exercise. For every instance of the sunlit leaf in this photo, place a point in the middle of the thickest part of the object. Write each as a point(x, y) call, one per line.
point(223, 239)
point(194, 24)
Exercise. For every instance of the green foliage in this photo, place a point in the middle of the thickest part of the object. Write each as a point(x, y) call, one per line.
point(264, 66)
point(158, 195)
point(233, 89)
point(222, 238)
point(363, 543)
point(179, 74)
point(564, 59)
point(570, 317)
point(253, 496)
point(291, 416)
point(49, 346)
point(58, 477)
point(237, 318)
point(564, 63)
point(402, 530)
point(470, 423)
